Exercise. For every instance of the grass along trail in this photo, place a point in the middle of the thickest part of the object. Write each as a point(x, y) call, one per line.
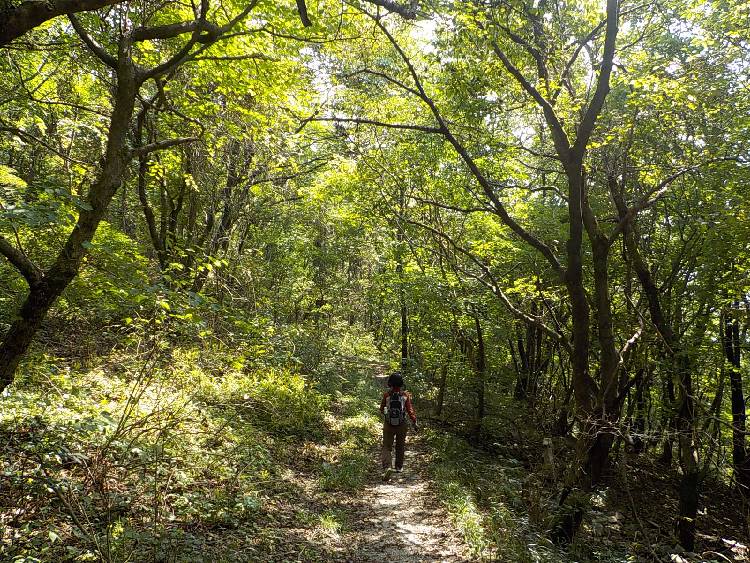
point(198, 459)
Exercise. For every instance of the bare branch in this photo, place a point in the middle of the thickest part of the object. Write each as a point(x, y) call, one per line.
point(213, 34)
point(363, 121)
point(465, 210)
point(406, 12)
point(384, 76)
point(654, 195)
point(484, 182)
point(632, 341)
point(302, 9)
point(248, 57)
point(491, 283)
point(170, 30)
point(559, 137)
point(29, 14)
point(602, 84)
point(574, 57)
point(28, 137)
point(541, 66)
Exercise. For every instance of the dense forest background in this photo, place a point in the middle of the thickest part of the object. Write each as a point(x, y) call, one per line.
point(221, 221)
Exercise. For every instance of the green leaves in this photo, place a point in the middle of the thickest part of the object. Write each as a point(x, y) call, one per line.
point(9, 181)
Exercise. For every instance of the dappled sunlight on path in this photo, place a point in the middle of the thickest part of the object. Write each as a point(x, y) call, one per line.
point(400, 520)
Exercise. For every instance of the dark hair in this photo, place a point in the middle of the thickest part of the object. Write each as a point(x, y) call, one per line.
point(396, 380)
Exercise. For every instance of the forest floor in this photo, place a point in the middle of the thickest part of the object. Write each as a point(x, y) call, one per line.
point(201, 460)
point(458, 502)
point(401, 520)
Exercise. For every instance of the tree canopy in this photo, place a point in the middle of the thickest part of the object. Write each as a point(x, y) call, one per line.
point(538, 210)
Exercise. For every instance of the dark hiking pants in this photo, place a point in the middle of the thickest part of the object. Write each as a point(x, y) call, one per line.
point(389, 433)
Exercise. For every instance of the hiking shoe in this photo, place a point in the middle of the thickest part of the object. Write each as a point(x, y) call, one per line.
point(399, 469)
point(387, 474)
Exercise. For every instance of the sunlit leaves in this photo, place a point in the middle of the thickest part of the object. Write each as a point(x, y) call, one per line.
point(9, 180)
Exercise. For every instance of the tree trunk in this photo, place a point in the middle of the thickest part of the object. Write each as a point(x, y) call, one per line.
point(583, 384)
point(442, 383)
point(43, 294)
point(668, 399)
point(404, 331)
point(521, 363)
point(480, 369)
point(402, 288)
point(690, 481)
point(732, 352)
point(681, 365)
point(528, 364)
point(25, 16)
point(639, 423)
point(608, 406)
point(148, 213)
point(592, 448)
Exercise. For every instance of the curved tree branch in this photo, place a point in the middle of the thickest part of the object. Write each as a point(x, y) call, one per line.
point(18, 20)
point(92, 44)
point(363, 121)
point(489, 281)
point(20, 261)
point(602, 84)
point(483, 181)
point(161, 145)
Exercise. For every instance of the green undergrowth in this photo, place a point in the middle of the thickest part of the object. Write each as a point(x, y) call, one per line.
point(355, 430)
point(168, 453)
point(174, 454)
point(484, 495)
point(506, 509)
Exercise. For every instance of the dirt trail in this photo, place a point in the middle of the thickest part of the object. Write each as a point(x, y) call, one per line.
point(400, 521)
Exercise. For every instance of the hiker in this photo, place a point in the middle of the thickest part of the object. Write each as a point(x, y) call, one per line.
point(396, 404)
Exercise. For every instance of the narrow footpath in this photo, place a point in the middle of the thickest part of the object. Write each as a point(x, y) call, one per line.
point(400, 520)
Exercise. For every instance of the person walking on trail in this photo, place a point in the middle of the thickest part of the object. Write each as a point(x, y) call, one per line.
point(395, 406)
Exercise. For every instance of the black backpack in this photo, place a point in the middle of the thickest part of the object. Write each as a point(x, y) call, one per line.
point(396, 404)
